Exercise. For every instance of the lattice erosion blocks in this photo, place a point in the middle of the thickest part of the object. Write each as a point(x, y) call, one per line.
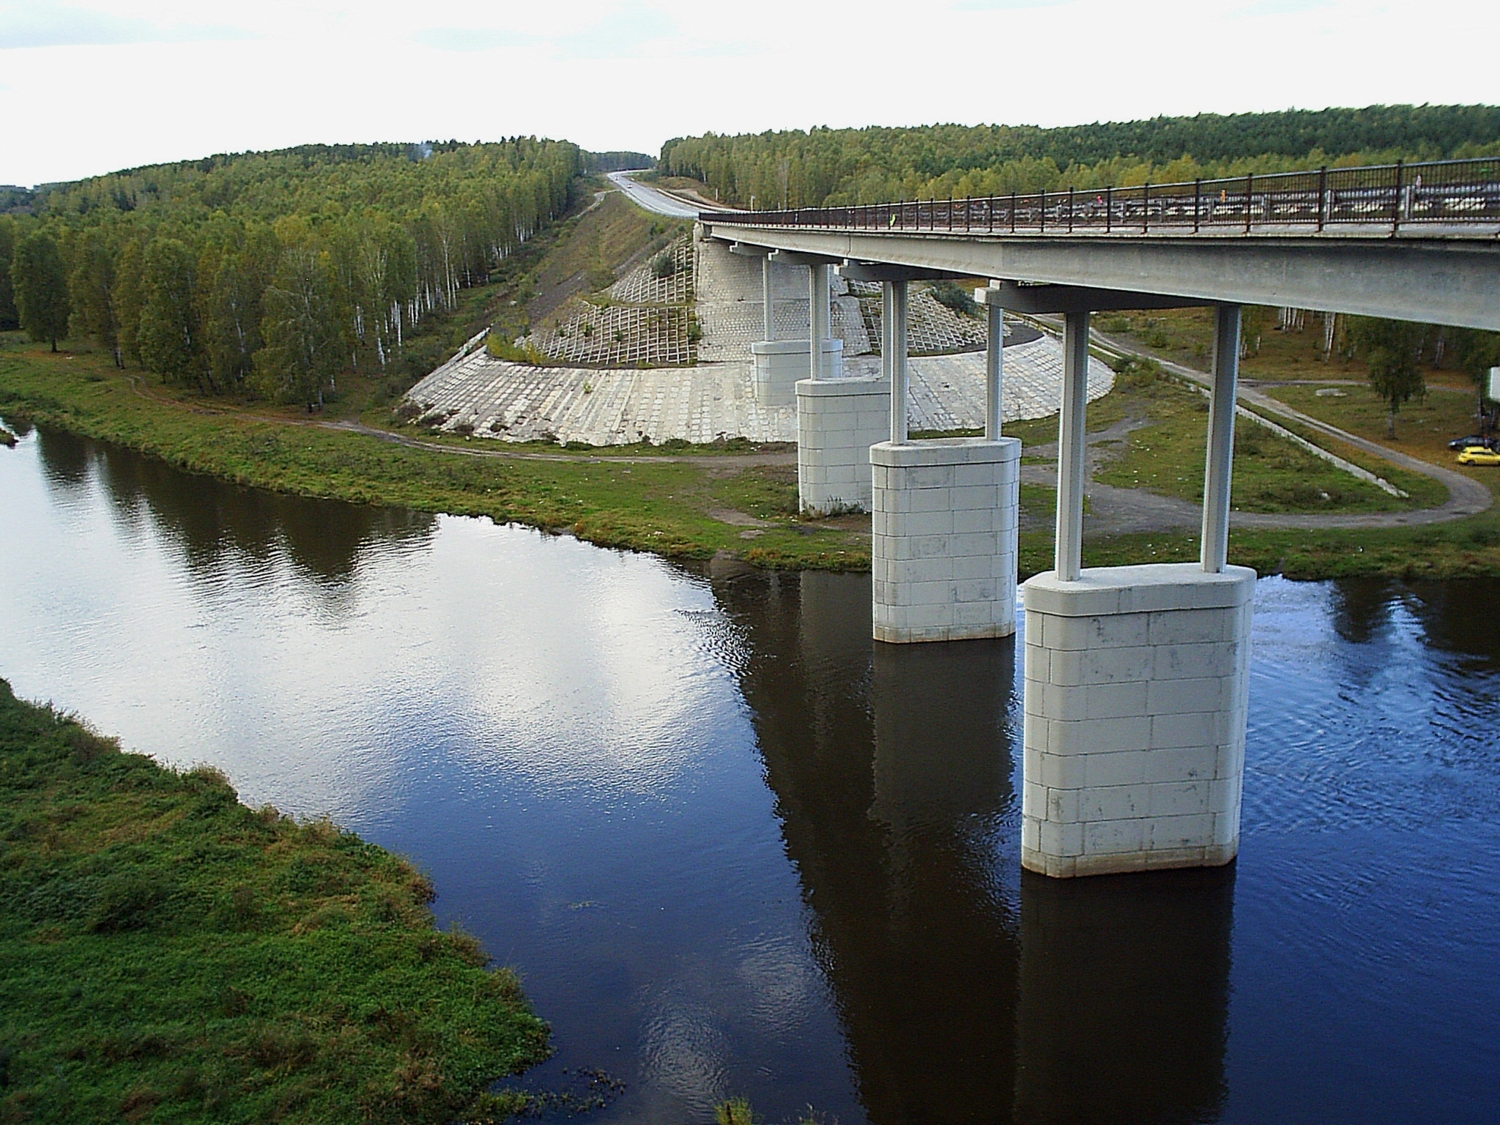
point(1137, 679)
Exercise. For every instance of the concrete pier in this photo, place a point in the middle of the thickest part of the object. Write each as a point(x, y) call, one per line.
point(837, 422)
point(1134, 737)
point(946, 512)
point(943, 539)
point(1137, 677)
point(780, 364)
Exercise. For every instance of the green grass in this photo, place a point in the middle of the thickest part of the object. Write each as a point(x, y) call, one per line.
point(168, 954)
point(674, 507)
point(654, 504)
point(1271, 474)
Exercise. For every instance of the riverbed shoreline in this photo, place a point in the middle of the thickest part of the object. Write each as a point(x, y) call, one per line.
point(688, 507)
point(166, 949)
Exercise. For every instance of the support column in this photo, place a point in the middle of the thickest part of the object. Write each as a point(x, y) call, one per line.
point(947, 512)
point(893, 356)
point(994, 371)
point(1068, 555)
point(767, 303)
point(838, 419)
point(817, 317)
point(1216, 471)
point(780, 364)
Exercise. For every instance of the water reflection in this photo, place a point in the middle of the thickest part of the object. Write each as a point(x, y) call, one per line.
point(219, 527)
point(1361, 608)
point(735, 849)
point(1124, 997)
point(1460, 617)
point(960, 999)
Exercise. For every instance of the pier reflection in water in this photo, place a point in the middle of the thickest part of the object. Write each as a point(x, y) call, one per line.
point(964, 996)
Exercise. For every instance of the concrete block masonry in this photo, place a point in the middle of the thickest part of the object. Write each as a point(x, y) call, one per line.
point(781, 364)
point(1137, 680)
point(943, 545)
point(837, 422)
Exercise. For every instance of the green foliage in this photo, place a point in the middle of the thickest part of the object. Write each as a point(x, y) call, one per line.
point(167, 334)
point(1390, 349)
point(615, 161)
point(1474, 351)
point(93, 292)
point(956, 297)
point(40, 282)
point(302, 352)
point(735, 1111)
point(663, 265)
point(501, 348)
point(872, 165)
point(9, 318)
point(168, 953)
point(176, 261)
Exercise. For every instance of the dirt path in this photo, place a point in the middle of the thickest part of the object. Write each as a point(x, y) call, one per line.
point(1112, 511)
point(1466, 497)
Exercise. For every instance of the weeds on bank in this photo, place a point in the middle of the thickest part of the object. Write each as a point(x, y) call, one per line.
point(166, 952)
point(663, 506)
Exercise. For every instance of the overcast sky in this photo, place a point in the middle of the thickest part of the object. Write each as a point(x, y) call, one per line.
point(91, 86)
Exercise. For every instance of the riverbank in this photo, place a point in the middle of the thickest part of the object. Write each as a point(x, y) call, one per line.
point(167, 952)
point(692, 502)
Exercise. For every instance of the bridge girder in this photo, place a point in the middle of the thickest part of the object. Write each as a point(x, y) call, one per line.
point(1433, 280)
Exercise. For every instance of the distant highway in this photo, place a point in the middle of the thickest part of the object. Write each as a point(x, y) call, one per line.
point(658, 202)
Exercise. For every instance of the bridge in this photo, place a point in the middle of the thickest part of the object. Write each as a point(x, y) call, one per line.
point(1404, 241)
point(1136, 680)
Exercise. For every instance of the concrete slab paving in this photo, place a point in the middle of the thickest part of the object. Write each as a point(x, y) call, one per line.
point(715, 399)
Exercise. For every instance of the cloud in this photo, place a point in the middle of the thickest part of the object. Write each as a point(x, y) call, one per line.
point(626, 34)
point(1006, 5)
point(472, 38)
point(35, 25)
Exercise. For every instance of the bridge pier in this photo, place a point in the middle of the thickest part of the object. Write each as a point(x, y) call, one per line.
point(779, 364)
point(837, 418)
point(1137, 677)
point(946, 511)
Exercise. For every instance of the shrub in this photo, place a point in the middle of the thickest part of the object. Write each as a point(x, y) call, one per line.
point(664, 265)
point(951, 294)
point(128, 901)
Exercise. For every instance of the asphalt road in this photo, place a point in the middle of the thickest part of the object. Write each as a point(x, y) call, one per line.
point(652, 200)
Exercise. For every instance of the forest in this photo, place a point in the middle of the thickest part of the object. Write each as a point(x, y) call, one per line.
point(269, 274)
point(876, 165)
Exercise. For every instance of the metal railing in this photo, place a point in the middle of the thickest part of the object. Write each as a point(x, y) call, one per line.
point(1387, 196)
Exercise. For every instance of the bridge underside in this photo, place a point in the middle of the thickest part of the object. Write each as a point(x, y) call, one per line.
point(1432, 280)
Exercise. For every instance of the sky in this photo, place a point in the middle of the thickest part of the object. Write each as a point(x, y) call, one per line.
point(91, 86)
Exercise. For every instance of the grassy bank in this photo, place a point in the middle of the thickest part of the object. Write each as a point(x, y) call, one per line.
point(168, 954)
point(715, 502)
point(653, 502)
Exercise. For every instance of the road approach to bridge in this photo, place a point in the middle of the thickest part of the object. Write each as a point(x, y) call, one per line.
point(657, 202)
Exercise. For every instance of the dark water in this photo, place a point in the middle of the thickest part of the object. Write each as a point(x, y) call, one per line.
point(734, 848)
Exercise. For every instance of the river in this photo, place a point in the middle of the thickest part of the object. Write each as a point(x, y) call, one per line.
point(734, 848)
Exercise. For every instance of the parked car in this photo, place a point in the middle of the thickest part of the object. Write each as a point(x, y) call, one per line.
point(1478, 455)
point(1484, 441)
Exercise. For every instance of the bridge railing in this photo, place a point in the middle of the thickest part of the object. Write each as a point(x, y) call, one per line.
point(1437, 192)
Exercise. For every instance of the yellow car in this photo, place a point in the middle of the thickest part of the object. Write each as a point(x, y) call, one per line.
point(1478, 455)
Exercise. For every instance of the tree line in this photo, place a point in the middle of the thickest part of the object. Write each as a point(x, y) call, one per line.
point(268, 274)
point(836, 167)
